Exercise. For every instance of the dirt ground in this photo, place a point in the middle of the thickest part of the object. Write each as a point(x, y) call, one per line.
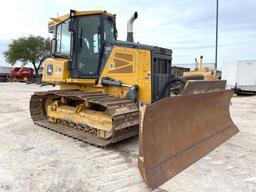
point(36, 159)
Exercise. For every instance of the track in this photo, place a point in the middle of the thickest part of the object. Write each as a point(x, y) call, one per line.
point(124, 113)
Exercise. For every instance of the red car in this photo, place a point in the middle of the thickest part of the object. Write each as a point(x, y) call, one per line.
point(22, 73)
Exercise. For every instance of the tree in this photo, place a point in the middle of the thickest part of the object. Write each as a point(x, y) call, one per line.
point(32, 49)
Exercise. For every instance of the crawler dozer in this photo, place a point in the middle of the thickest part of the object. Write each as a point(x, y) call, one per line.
point(202, 72)
point(111, 90)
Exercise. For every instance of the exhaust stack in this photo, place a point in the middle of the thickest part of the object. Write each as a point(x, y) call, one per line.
point(130, 27)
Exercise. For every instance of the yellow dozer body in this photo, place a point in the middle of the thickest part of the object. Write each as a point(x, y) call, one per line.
point(111, 90)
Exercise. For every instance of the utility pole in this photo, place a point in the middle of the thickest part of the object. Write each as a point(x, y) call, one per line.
point(217, 30)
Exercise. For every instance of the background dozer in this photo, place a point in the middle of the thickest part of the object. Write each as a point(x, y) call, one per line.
point(202, 72)
point(111, 90)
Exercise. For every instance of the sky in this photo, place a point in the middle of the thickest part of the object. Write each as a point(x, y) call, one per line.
point(187, 27)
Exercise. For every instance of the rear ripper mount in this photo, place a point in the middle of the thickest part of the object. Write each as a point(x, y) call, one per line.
point(121, 116)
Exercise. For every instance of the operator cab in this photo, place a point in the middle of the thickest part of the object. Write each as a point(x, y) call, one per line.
point(82, 38)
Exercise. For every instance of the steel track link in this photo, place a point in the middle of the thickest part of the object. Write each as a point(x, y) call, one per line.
point(125, 115)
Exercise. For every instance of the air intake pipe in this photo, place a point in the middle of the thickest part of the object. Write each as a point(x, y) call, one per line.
point(130, 27)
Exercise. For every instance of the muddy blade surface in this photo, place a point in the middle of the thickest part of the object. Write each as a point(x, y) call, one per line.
point(176, 132)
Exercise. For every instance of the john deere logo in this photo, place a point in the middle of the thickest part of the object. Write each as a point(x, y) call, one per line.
point(49, 69)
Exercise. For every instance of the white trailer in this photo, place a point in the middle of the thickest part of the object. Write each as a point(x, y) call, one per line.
point(240, 75)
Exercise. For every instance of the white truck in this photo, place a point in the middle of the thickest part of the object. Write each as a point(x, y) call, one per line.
point(5, 73)
point(241, 76)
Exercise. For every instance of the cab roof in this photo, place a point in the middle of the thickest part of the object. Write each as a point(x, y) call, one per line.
point(58, 20)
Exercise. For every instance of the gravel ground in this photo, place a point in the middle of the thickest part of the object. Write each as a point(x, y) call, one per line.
point(36, 159)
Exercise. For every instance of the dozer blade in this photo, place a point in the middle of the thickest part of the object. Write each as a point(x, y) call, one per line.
point(177, 131)
point(202, 86)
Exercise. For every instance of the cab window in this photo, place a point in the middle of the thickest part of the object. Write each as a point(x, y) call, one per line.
point(63, 39)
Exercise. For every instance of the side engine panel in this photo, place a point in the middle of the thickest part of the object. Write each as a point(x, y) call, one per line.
point(132, 66)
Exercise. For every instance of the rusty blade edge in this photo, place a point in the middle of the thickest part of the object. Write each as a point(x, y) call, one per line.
point(157, 176)
point(189, 148)
point(157, 168)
